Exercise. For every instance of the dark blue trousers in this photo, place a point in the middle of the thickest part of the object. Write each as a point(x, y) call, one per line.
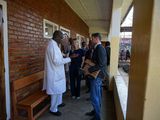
point(75, 82)
point(96, 96)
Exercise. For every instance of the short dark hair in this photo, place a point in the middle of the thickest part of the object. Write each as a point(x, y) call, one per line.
point(83, 44)
point(97, 35)
point(57, 34)
point(107, 43)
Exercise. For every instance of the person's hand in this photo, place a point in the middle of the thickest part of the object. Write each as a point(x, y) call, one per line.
point(64, 55)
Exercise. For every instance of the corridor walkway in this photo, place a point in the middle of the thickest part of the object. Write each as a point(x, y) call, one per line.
point(76, 109)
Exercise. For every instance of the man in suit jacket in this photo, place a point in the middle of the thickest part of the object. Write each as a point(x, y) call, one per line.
point(99, 57)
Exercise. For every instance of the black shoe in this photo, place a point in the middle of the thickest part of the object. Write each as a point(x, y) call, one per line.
point(62, 105)
point(92, 113)
point(56, 113)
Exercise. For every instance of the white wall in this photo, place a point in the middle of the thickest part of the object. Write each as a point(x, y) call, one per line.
point(152, 97)
point(7, 83)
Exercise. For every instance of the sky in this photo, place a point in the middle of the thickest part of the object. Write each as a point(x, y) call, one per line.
point(129, 19)
point(128, 22)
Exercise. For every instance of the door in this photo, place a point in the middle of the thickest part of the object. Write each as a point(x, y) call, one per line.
point(2, 80)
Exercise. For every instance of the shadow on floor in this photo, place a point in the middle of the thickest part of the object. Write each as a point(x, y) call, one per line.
point(76, 109)
point(108, 106)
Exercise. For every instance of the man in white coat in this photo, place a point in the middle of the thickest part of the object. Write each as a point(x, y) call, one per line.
point(54, 75)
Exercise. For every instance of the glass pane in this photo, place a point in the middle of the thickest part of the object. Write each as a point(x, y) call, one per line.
point(48, 30)
point(55, 28)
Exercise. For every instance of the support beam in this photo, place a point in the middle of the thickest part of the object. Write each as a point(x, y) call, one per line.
point(152, 96)
point(126, 29)
point(125, 8)
point(144, 83)
point(114, 38)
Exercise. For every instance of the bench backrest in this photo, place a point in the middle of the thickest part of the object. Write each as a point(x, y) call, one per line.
point(28, 80)
point(22, 83)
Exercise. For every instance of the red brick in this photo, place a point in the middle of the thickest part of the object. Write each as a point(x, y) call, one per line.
point(25, 25)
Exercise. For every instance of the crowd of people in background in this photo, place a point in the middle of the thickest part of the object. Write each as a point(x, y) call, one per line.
point(124, 55)
point(64, 61)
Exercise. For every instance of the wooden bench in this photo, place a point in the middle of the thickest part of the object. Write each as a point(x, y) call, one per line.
point(30, 101)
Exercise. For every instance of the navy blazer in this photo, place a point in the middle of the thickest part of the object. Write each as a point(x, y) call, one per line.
point(99, 57)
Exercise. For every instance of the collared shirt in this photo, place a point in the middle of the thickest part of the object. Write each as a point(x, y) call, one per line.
point(97, 45)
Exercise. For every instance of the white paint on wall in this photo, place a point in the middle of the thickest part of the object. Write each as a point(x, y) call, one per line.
point(7, 82)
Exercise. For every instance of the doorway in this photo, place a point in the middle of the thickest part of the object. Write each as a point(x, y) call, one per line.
point(2, 71)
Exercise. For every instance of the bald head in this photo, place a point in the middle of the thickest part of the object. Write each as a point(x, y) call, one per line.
point(58, 36)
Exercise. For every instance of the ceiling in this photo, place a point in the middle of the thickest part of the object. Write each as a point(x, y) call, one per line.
point(95, 13)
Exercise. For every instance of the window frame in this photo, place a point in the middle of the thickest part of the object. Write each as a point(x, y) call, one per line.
point(80, 40)
point(50, 23)
point(65, 30)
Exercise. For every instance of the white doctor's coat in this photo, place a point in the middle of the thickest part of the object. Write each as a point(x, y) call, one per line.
point(54, 74)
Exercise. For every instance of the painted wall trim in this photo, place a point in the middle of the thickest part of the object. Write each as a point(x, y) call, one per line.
point(6, 62)
point(50, 23)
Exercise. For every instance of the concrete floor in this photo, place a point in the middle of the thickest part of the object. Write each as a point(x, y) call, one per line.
point(76, 109)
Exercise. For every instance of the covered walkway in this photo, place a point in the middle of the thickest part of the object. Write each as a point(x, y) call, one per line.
point(26, 26)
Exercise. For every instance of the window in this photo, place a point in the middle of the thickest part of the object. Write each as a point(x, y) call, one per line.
point(66, 35)
point(80, 39)
point(87, 41)
point(49, 28)
point(65, 31)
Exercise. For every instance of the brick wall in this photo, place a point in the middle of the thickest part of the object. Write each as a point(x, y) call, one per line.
point(25, 26)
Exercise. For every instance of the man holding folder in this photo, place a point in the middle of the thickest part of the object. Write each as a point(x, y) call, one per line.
point(99, 58)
